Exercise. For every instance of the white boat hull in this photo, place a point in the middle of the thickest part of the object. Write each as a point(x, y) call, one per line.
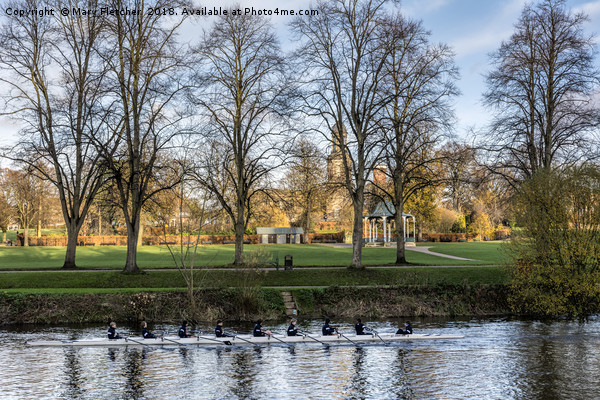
point(245, 340)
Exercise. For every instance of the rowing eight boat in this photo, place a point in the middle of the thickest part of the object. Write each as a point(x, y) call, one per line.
point(243, 340)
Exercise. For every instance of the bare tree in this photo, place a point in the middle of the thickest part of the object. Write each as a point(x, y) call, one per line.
point(146, 67)
point(57, 83)
point(6, 207)
point(418, 84)
point(243, 101)
point(305, 182)
point(541, 89)
point(343, 59)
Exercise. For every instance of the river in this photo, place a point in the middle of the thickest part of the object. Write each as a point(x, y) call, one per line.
point(497, 359)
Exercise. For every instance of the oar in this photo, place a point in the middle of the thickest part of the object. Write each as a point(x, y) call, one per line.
point(127, 339)
point(172, 341)
point(247, 341)
point(279, 340)
point(227, 342)
point(344, 336)
point(377, 334)
point(315, 339)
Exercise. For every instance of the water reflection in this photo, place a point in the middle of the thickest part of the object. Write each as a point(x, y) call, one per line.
point(72, 368)
point(245, 371)
point(496, 360)
point(134, 387)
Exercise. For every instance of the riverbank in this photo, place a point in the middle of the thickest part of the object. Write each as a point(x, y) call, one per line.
point(250, 303)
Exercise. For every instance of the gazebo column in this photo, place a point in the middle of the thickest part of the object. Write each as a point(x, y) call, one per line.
point(384, 231)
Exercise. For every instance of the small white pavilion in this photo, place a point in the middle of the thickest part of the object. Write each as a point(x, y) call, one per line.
point(383, 215)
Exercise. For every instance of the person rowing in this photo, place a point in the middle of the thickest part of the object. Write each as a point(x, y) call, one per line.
point(328, 330)
point(258, 330)
point(292, 329)
point(219, 332)
point(183, 333)
point(146, 333)
point(361, 328)
point(407, 329)
point(112, 331)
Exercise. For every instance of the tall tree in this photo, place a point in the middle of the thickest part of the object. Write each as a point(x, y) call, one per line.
point(146, 66)
point(541, 90)
point(6, 207)
point(57, 84)
point(242, 97)
point(342, 58)
point(419, 83)
point(305, 182)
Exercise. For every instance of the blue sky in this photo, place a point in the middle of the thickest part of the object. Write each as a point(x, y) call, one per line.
point(474, 28)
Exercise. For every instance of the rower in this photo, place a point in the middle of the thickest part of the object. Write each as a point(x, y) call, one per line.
point(407, 329)
point(183, 330)
point(292, 329)
point(219, 332)
point(258, 330)
point(360, 327)
point(328, 330)
point(112, 331)
point(146, 334)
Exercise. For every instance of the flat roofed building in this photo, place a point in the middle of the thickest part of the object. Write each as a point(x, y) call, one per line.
point(280, 235)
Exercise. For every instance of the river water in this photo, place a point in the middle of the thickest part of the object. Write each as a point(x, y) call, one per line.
point(497, 359)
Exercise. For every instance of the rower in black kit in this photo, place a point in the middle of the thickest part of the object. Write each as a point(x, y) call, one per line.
point(360, 327)
point(327, 329)
point(292, 329)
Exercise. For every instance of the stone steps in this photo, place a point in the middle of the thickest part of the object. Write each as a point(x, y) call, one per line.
point(290, 304)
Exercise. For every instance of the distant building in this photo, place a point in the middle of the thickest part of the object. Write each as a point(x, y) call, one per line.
point(280, 235)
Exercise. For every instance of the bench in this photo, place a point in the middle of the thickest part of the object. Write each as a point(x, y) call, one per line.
point(228, 241)
point(108, 244)
point(316, 241)
point(331, 241)
point(168, 243)
point(89, 244)
point(207, 242)
point(246, 242)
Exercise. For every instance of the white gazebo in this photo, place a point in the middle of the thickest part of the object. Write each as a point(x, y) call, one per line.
point(385, 211)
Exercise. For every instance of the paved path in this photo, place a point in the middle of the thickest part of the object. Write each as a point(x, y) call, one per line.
point(420, 249)
point(423, 249)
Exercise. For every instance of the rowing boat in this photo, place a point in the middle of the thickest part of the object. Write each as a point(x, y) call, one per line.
point(243, 340)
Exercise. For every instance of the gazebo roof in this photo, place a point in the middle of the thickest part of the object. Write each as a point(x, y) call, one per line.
point(385, 209)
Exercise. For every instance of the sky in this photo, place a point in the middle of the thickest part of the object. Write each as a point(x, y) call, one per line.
point(473, 28)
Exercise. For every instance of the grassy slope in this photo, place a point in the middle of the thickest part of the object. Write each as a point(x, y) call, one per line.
point(82, 281)
point(22, 258)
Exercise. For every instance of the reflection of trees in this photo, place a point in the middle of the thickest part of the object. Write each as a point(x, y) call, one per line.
point(244, 372)
point(402, 386)
point(133, 372)
point(74, 388)
point(359, 379)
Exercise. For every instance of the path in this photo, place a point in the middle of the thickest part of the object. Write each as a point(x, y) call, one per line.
point(420, 249)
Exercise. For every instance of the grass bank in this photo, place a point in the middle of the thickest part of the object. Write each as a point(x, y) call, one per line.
point(169, 280)
point(155, 257)
point(251, 303)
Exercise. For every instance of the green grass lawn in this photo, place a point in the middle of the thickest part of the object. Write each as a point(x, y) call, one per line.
point(494, 252)
point(150, 257)
point(91, 281)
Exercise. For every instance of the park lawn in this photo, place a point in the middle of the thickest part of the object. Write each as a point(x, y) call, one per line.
point(169, 280)
point(491, 253)
point(150, 257)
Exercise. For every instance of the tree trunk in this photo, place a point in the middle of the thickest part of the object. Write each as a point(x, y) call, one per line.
point(239, 242)
point(132, 238)
point(72, 233)
point(26, 236)
point(3, 236)
point(399, 228)
point(357, 235)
